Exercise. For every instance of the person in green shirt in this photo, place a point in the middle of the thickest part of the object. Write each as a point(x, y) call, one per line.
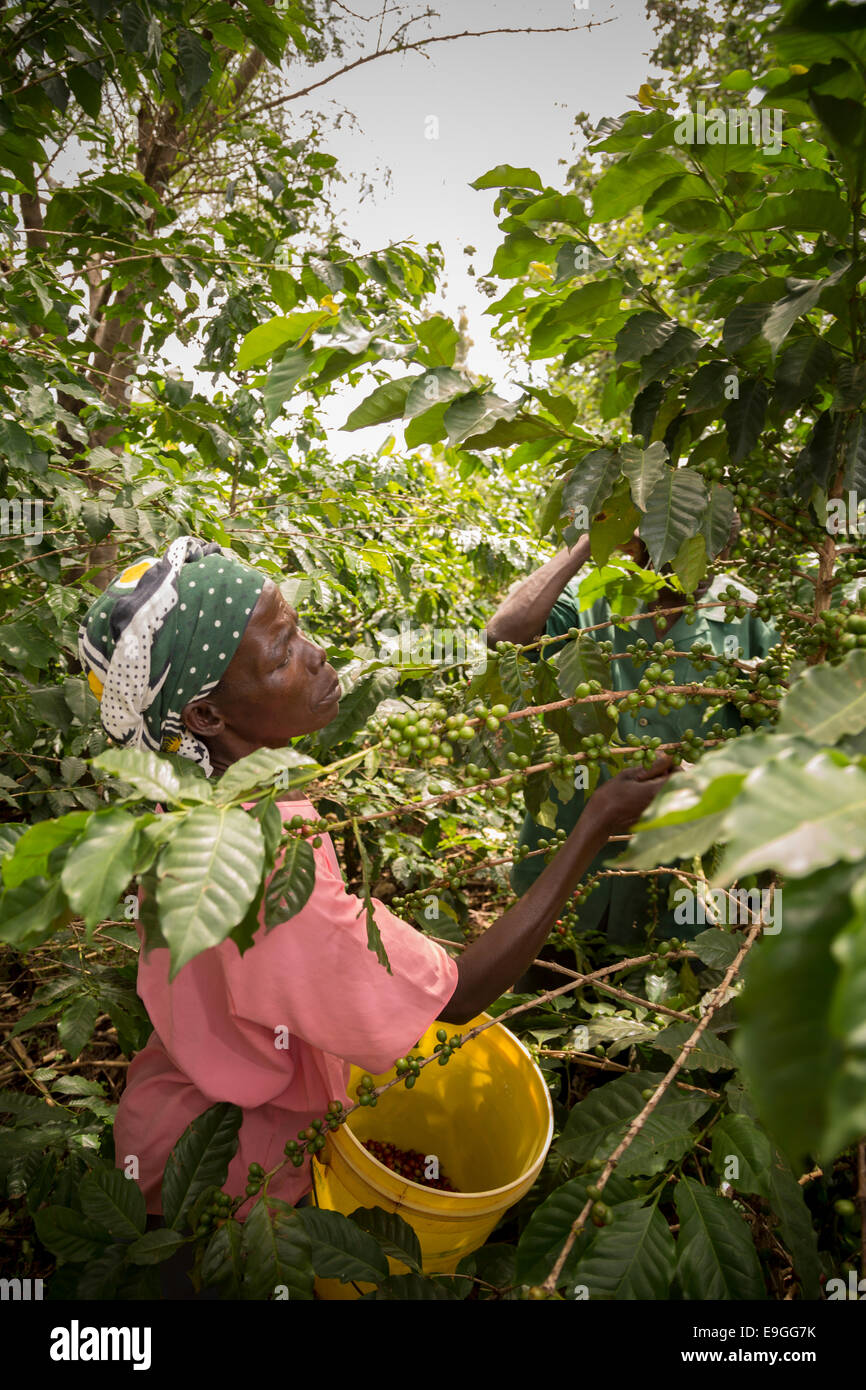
point(547, 602)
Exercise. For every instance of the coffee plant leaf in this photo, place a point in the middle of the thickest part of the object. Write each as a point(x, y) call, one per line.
point(30, 850)
point(284, 768)
point(789, 980)
point(716, 1258)
point(827, 701)
point(633, 1258)
point(787, 1200)
point(153, 776)
point(30, 912)
point(589, 485)
point(77, 1023)
point(597, 1124)
point(290, 886)
point(277, 1251)
point(643, 468)
point(548, 1226)
point(715, 948)
point(223, 1261)
point(393, 1235)
point(208, 875)
point(155, 1247)
point(387, 402)
point(796, 818)
point(738, 1138)
point(199, 1160)
point(101, 865)
point(710, 1054)
point(72, 1236)
point(114, 1202)
point(342, 1249)
point(674, 511)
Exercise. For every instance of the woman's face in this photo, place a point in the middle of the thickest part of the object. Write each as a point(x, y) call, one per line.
point(277, 685)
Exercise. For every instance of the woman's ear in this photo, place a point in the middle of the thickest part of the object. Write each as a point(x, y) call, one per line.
point(203, 718)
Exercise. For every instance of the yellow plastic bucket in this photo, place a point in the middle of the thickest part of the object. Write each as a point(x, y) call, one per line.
point(487, 1117)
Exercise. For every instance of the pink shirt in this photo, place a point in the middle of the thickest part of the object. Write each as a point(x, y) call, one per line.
point(217, 1024)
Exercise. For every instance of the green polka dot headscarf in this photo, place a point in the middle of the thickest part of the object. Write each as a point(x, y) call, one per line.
point(163, 634)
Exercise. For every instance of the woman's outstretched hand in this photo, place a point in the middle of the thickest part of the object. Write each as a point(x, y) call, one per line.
point(623, 800)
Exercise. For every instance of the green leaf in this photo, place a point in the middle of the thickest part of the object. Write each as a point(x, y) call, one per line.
point(72, 1237)
point(641, 335)
point(715, 1255)
point(827, 702)
point(75, 1028)
point(707, 387)
point(506, 175)
point(31, 911)
point(643, 468)
point(742, 324)
point(33, 848)
point(113, 1202)
point(394, 1236)
point(790, 1058)
point(153, 776)
point(584, 306)
point(796, 1227)
point(680, 345)
point(435, 386)
point(738, 1137)
point(290, 886)
point(799, 369)
point(615, 526)
point(716, 948)
point(854, 475)
point(807, 210)
point(276, 1246)
point(744, 419)
point(547, 1229)
point(341, 1249)
point(690, 562)
point(155, 1247)
point(387, 402)
point(267, 338)
point(101, 865)
point(632, 1258)
point(223, 1263)
point(590, 484)
point(786, 311)
point(284, 768)
point(283, 378)
point(710, 1054)
point(208, 876)
point(476, 413)
point(596, 1125)
point(718, 518)
point(439, 339)
point(673, 513)
point(194, 63)
point(200, 1159)
point(796, 817)
point(629, 182)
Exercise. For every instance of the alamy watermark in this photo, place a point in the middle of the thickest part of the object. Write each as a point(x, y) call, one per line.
point(732, 125)
point(846, 516)
point(21, 516)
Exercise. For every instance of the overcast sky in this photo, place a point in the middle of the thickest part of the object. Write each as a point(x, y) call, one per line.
point(508, 98)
